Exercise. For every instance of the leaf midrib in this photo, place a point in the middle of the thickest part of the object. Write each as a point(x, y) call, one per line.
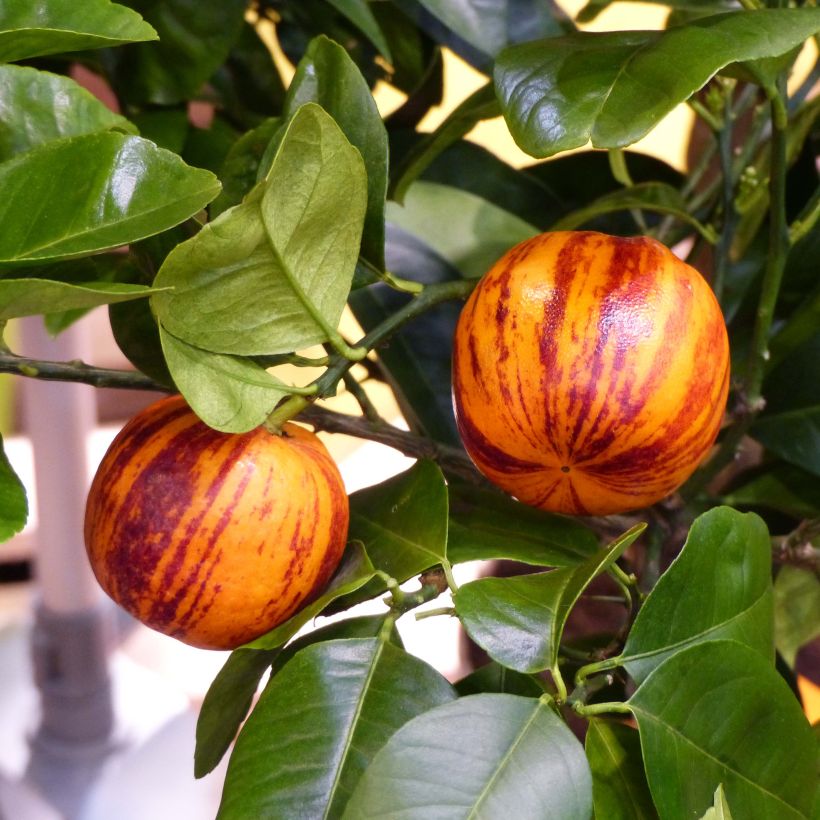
point(717, 761)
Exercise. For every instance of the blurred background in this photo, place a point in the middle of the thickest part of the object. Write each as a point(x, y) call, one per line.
point(155, 683)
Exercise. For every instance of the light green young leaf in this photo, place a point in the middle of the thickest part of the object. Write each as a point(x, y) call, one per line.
point(259, 278)
point(36, 107)
point(228, 393)
point(77, 196)
point(612, 88)
point(720, 809)
point(466, 230)
point(32, 297)
point(13, 501)
point(327, 76)
point(32, 29)
point(718, 713)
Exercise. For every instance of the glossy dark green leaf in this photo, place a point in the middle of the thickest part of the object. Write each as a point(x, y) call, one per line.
point(720, 808)
point(695, 7)
point(790, 424)
point(479, 106)
point(718, 587)
point(612, 88)
point(468, 232)
point(402, 522)
point(487, 525)
point(228, 393)
point(493, 677)
point(248, 85)
point(318, 724)
point(36, 107)
point(73, 197)
point(326, 75)
point(648, 196)
point(418, 358)
point(619, 787)
point(255, 280)
point(519, 621)
point(31, 297)
point(30, 29)
point(13, 501)
point(167, 127)
point(489, 756)
point(230, 695)
point(194, 39)
point(718, 713)
point(489, 26)
point(782, 487)
point(239, 170)
point(359, 13)
point(796, 610)
point(136, 333)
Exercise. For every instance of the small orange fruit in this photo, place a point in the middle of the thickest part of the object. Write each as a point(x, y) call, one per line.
point(590, 372)
point(213, 538)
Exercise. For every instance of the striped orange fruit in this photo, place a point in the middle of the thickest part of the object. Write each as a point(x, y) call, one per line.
point(209, 537)
point(590, 372)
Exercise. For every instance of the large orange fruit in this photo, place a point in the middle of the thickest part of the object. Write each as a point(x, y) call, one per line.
point(590, 372)
point(209, 537)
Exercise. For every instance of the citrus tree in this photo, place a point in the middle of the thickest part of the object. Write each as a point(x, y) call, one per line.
point(227, 250)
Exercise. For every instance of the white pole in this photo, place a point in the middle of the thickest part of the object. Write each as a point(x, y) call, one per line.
point(58, 418)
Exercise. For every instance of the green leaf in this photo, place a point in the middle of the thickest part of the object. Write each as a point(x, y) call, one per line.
point(487, 525)
point(487, 756)
point(30, 29)
point(359, 13)
point(31, 297)
point(648, 196)
point(720, 808)
point(272, 274)
point(783, 487)
point(481, 105)
point(136, 333)
point(230, 695)
point(790, 424)
point(493, 677)
point(519, 621)
point(13, 502)
point(718, 713)
point(228, 393)
point(326, 75)
point(402, 523)
point(36, 107)
point(318, 724)
point(467, 231)
point(718, 587)
point(194, 40)
point(489, 25)
point(239, 171)
point(619, 787)
point(796, 611)
point(74, 197)
point(613, 88)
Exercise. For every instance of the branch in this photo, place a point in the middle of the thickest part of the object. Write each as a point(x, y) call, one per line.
point(797, 548)
point(77, 371)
